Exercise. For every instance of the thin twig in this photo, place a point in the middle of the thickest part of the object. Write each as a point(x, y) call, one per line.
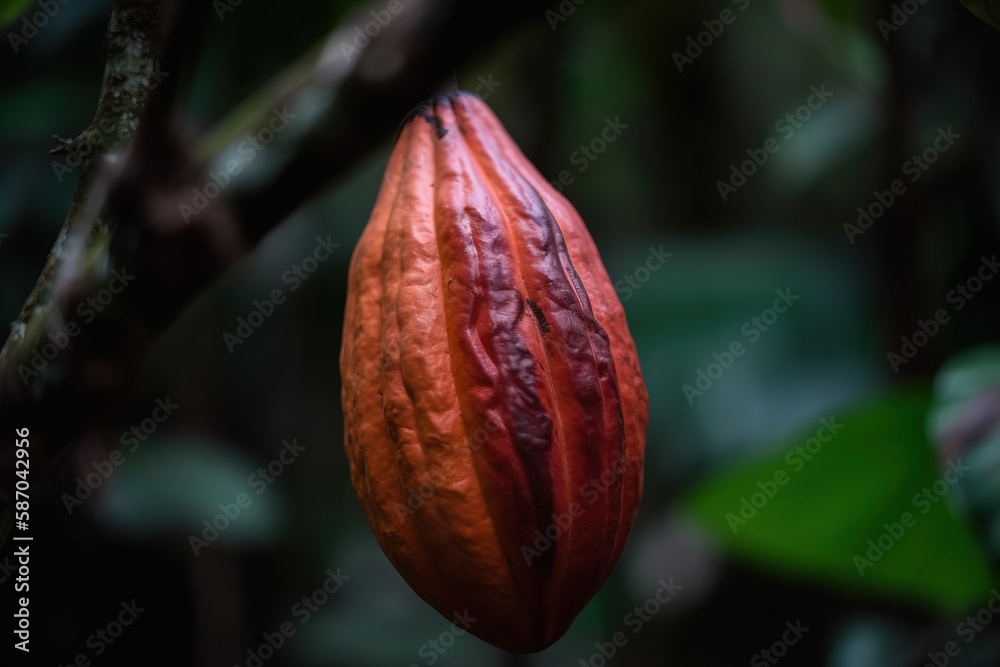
point(343, 107)
point(131, 72)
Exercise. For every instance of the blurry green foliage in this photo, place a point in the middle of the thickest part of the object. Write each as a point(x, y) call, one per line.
point(868, 475)
point(11, 10)
point(653, 187)
point(168, 484)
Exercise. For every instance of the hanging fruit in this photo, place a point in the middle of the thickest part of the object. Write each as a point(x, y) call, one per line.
point(495, 410)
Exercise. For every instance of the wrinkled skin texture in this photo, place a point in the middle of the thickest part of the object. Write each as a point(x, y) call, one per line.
point(489, 381)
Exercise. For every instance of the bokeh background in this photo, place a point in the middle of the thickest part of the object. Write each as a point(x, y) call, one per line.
point(753, 557)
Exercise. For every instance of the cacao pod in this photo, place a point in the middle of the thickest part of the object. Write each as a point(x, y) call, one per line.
point(494, 408)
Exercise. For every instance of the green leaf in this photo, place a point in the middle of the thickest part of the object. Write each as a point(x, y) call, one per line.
point(168, 485)
point(11, 10)
point(987, 10)
point(837, 499)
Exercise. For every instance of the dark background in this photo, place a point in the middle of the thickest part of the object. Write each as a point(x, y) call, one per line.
point(655, 186)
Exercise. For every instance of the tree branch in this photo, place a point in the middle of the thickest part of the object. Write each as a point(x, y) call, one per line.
point(130, 73)
point(341, 102)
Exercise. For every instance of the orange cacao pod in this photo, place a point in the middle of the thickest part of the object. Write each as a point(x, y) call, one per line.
point(494, 408)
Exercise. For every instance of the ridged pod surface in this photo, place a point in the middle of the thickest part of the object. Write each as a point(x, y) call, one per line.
point(495, 412)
